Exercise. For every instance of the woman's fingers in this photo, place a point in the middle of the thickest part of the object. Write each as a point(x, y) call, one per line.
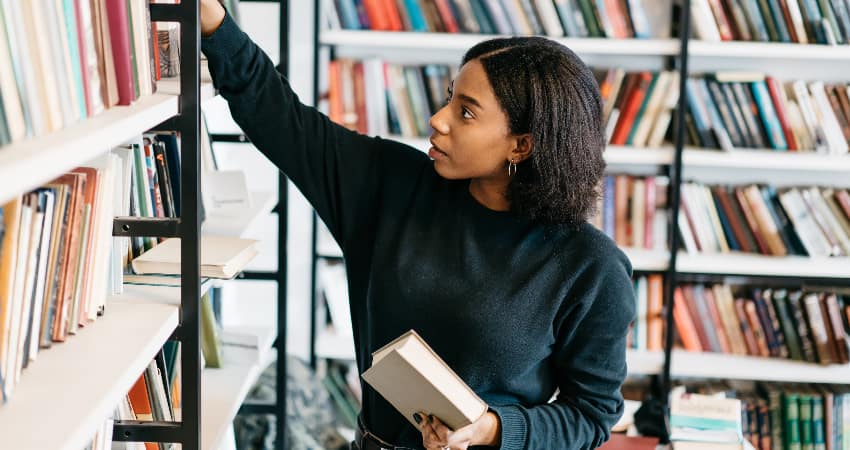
point(430, 439)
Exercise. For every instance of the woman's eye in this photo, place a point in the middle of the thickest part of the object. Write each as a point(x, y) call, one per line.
point(447, 100)
point(466, 113)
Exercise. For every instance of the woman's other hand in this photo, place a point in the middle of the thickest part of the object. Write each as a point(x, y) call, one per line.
point(437, 436)
point(212, 15)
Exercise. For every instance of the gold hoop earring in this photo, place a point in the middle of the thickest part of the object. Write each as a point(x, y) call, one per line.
point(511, 168)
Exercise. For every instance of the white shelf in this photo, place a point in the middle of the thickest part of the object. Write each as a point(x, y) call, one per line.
point(641, 362)
point(32, 162)
point(74, 386)
point(752, 264)
point(614, 154)
point(379, 40)
point(223, 390)
point(238, 225)
point(330, 345)
point(647, 260)
point(765, 159)
point(719, 365)
point(769, 51)
point(169, 295)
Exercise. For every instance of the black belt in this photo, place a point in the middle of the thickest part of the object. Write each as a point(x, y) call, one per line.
point(368, 441)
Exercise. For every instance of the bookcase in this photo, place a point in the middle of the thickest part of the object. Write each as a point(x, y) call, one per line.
point(679, 161)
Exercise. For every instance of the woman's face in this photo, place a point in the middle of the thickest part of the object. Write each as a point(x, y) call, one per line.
point(471, 139)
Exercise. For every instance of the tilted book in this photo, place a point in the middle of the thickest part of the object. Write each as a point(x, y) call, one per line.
point(221, 257)
point(413, 378)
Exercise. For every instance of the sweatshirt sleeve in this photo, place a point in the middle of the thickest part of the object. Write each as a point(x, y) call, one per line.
point(590, 364)
point(339, 171)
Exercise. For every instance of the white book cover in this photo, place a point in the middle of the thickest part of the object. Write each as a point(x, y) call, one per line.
point(653, 108)
point(24, 67)
point(549, 18)
point(824, 111)
point(797, 21)
point(60, 55)
point(334, 284)
point(705, 27)
point(711, 207)
point(8, 86)
point(45, 70)
point(21, 267)
point(221, 257)
point(662, 123)
point(807, 230)
point(41, 273)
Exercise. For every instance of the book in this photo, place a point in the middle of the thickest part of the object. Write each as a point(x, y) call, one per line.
point(221, 257)
point(413, 378)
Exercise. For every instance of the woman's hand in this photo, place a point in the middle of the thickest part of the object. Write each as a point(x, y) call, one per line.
point(437, 436)
point(212, 15)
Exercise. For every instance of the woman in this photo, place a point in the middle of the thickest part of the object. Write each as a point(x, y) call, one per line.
point(485, 251)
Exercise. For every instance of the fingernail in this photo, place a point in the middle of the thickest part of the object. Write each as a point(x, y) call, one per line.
point(417, 417)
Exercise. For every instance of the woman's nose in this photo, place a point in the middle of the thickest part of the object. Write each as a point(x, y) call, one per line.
point(437, 123)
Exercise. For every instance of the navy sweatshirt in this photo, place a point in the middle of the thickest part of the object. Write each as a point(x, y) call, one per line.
point(518, 308)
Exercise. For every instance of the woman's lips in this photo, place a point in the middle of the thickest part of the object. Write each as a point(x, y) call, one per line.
point(436, 153)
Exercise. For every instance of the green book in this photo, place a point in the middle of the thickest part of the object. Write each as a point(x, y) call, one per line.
point(792, 340)
point(210, 342)
point(590, 20)
point(791, 413)
point(640, 115)
point(768, 21)
point(774, 402)
point(807, 439)
point(134, 61)
point(818, 423)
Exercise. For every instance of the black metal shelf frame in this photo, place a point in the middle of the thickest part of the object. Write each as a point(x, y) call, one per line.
point(187, 227)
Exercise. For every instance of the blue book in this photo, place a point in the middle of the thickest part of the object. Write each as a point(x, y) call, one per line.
point(701, 120)
point(485, 24)
point(417, 18)
point(725, 224)
point(768, 116)
point(348, 14)
point(71, 28)
point(608, 206)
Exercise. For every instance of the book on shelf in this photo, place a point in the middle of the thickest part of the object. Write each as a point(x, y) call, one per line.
point(55, 259)
point(413, 378)
point(790, 21)
point(783, 415)
point(705, 422)
point(647, 331)
point(806, 325)
point(633, 211)
point(808, 221)
point(731, 110)
point(573, 18)
point(64, 61)
point(155, 395)
point(221, 257)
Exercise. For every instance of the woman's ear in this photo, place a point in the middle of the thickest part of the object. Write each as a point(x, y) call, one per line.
point(523, 147)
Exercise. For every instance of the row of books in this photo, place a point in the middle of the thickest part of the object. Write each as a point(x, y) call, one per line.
point(573, 18)
point(769, 416)
point(802, 325)
point(729, 110)
point(633, 211)
point(810, 221)
point(800, 21)
point(647, 331)
point(56, 247)
point(637, 106)
point(155, 396)
point(725, 110)
point(64, 61)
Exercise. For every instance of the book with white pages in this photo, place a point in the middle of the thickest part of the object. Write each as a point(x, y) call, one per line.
point(221, 257)
point(413, 378)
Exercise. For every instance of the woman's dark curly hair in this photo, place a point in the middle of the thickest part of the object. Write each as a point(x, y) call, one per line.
point(548, 92)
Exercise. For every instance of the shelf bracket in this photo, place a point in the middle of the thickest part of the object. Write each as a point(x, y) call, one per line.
point(141, 431)
point(145, 226)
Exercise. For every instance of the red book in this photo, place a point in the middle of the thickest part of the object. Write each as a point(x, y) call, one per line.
point(649, 211)
point(716, 321)
point(335, 92)
point(699, 321)
point(744, 322)
point(684, 324)
point(378, 19)
point(360, 98)
point(155, 51)
point(749, 215)
point(393, 15)
point(445, 11)
point(617, 18)
point(620, 441)
point(655, 312)
point(722, 21)
point(119, 31)
point(140, 402)
point(630, 109)
point(775, 90)
point(786, 14)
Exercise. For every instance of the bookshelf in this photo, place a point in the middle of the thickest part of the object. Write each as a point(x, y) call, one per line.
point(681, 161)
point(96, 368)
point(75, 385)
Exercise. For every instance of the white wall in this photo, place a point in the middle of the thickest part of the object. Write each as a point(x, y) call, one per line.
point(255, 302)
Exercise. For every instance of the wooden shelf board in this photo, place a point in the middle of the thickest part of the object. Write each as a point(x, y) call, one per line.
point(74, 386)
